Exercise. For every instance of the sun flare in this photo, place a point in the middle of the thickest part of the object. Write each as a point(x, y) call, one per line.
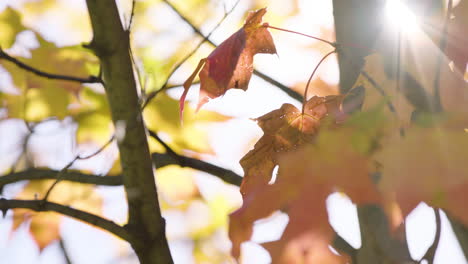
point(400, 17)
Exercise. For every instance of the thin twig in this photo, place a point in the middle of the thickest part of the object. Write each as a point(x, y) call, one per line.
point(43, 206)
point(166, 147)
point(90, 79)
point(132, 13)
point(442, 46)
point(263, 76)
point(71, 176)
point(205, 38)
point(78, 157)
point(430, 253)
point(64, 251)
point(379, 89)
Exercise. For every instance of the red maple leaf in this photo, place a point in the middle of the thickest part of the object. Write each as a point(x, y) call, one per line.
point(230, 64)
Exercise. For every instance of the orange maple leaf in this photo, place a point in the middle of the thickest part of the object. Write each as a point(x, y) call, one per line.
point(427, 165)
point(230, 64)
point(285, 131)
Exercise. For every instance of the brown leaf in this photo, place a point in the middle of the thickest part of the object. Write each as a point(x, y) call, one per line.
point(457, 44)
point(285, 129)
point(428, 164)
point(230, 64)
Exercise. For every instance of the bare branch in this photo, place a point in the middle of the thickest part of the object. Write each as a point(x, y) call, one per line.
point(264, 76)
point(171, 157)
point(90, 79)
point(430, 253)
point(442, 46)
point(71, 176)
point(43, 206)
point(163, 159)
point(64, 250)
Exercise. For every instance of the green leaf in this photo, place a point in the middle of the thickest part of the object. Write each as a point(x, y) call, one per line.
point(10, 26)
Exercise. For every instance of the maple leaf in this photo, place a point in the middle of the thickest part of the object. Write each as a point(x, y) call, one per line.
point(301, 189)
point(427, 164)
point(230, 64)
point(45, 226)
point(457, 43)
point(285, 129)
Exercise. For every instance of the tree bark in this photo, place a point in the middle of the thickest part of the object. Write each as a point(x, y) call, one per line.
point(111, 44)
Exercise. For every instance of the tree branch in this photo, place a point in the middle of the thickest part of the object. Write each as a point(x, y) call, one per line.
point(430, 253)
point(42, 206)
point(264, 76)
point(72, 176)
point(90, 79)
point(461, 232)
point(171, 157)
point(163, 159)
point(442, 46)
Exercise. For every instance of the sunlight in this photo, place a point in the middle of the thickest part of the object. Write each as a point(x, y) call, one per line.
point(400, 16)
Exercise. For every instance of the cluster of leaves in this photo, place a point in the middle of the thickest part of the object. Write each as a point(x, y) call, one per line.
point(370, 156)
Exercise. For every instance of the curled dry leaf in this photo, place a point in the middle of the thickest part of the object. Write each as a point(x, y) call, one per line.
point(230, 64)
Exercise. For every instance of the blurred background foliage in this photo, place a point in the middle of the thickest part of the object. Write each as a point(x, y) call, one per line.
point(46, 123)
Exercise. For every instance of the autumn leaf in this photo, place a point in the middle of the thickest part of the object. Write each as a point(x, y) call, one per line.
point(457, 42)
point(285, 129)
point(427, 164)
point(45, 226)
point(10, 26)
point(230, 64)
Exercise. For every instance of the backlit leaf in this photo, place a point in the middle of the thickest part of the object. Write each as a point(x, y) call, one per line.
point(230, 64)
point(10, 26)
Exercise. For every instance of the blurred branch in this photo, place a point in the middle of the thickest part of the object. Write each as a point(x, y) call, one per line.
point(442, 47)
point(205, 38)
point(64, 251)
point(43, 206)
point(342, 245)
point(461, 232)
point(90, 79)
point(430, 253)
point(72, 176)
point(264, 76)
point(170, 157)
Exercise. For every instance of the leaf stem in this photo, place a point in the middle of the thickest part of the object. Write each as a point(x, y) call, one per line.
point(302, 34)
point(304, 100)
